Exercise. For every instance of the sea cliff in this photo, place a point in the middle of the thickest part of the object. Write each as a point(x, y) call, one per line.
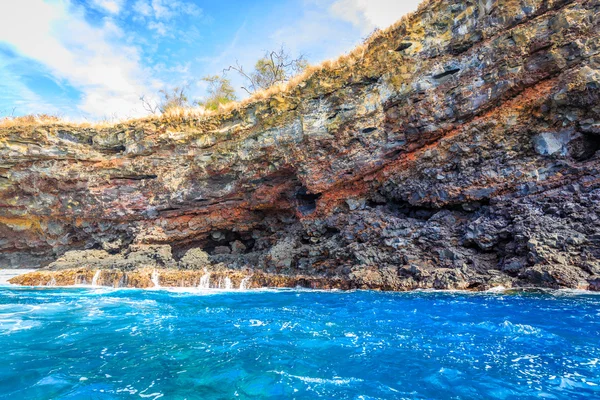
point(457, 149)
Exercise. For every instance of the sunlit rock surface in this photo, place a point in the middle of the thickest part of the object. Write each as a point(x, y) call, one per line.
point(456, 150)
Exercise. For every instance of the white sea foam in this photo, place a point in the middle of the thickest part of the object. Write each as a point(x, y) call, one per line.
point(574, 292)
point(497, 289)
point(10, 325)
point(520, 328)
point(7, 274)
point(336, 380)
point(153, 395)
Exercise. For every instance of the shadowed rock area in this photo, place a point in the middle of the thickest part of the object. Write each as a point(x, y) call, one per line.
point(458, 150)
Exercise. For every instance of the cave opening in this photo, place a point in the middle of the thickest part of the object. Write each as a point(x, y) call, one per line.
point(307, 201)
point(585, 148)
point(218, 242)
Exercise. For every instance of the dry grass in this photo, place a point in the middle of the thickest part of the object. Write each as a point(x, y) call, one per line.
point(45, 119)
point(345, 61)
point(36, 119)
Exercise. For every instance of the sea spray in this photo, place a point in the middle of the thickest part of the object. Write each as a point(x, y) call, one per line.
point(155, 279)
point(95, 278)
point(244, 283)
point(205, 280)
point(228, 284)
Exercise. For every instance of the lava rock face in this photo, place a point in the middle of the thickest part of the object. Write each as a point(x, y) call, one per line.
point(456, 150)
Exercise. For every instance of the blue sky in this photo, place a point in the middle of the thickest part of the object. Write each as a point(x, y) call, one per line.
point(93, 59)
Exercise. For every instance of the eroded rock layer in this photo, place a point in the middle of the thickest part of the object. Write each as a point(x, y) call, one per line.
point(459, 149)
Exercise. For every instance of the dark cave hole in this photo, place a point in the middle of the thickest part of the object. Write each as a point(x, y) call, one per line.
point(114, 150)
point(393, 154)
point(307, 202)
point(586, 148)
point(424, 213)
point(216, 239)
point(404, 46)
point(168, 209)
point(446, 73)
point(408, 210)
point(135, 177)
point(460, 47)
point(474, 285)
point(331, 231)
point(405, 209)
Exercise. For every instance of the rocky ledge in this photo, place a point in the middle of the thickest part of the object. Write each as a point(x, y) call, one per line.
point(457, 150)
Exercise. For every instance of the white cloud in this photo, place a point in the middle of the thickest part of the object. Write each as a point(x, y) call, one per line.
point(165, 9)
point(142, 7)
point(108, 74)
point(111, 6)
point(159, 12)
point(159, 27)
point(370, 14)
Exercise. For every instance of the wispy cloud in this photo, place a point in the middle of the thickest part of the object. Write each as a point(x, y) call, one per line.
point(110, 6)
point(109, 75)
point(164, 10)
point(158, 14)
point(142, 8)
point(370, 14)
point(17, 97)
point(158, 27)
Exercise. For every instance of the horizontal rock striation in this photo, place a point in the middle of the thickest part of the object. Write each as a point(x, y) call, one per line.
point(458, 149)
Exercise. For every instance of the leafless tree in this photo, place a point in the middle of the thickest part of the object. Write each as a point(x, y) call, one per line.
point(275, 67)
point(169, 98)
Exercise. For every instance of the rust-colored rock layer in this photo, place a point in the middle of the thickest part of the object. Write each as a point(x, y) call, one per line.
point(458, 150)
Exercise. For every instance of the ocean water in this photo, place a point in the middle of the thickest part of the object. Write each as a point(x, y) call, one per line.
point(78, 343)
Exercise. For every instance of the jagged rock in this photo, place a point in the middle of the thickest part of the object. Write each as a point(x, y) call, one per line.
point(513, 266)
point(135, 256)
point(112, 246)
point(458, 149)
point(238, 247)
point(151, 255)
point(87, 258)
point(194, 259)
point(222, 250)
point(549, 143)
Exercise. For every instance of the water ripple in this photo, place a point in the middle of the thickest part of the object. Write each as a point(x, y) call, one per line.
point(61, 343)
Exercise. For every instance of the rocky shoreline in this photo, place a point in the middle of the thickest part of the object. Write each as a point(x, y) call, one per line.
point(458, 149)
point(153, 266)
point(147, 278)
